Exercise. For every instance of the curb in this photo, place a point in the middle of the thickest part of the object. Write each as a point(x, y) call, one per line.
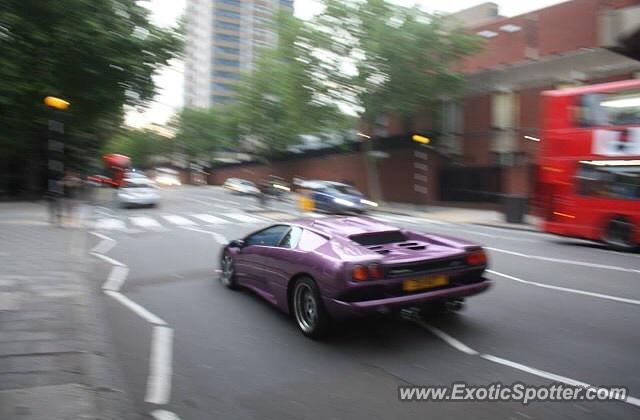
point(524, 228)
point(103, 374)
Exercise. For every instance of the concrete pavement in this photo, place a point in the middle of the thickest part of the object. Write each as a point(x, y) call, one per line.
point(54, 359)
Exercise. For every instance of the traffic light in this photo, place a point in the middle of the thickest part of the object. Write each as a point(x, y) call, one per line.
point(420, 139)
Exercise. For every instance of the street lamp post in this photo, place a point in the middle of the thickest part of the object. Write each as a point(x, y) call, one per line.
point(55, 152)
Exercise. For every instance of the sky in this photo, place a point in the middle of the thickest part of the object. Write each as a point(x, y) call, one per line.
point(169, 79)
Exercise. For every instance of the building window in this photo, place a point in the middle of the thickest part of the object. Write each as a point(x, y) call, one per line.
point(228, 13)
point(504, 113)
point(227, 25)
point(223, 87)
point(221, 99)
point(227, 74)
point(286, 3)
point(227, 37)
point(227, 50)
point(232, 2)
point(226, 62)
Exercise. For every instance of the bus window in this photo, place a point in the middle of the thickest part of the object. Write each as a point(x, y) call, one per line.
point(602, 109)
point(621, 182)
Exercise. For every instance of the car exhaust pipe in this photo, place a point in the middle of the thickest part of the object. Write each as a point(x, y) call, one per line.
point(454, 305)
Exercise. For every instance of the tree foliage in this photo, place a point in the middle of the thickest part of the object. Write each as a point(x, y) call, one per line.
point(98, 55)
point(205, 131)
point(382, 57)
point(283, 99)
point(140, 145)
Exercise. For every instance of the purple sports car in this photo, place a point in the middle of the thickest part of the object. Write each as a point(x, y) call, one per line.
point(321, 269)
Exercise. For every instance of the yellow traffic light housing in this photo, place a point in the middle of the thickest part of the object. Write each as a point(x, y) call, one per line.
point(57, 103)
point(421, 139)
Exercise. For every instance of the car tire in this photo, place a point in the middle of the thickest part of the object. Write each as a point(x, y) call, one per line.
point(619, 234)
point(227, 271)
point(308, 309)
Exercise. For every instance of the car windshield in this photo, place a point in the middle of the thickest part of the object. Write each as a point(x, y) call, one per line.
point(379, 238)
point(345, 189)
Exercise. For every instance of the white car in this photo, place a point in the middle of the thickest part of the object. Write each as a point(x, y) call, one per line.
point(241, 186)
point(138, 191)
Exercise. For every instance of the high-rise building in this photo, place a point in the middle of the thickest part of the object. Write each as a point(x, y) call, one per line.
point(222, 40)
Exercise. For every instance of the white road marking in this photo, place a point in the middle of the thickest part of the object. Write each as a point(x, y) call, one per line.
point(567, 289)
point(146, 222)
point(563, 261)
point(107, 259)
point(164, 415)
point(104, 245)
point(178, 220)
point(456, 344)
point(195, 200)
point(207, 218)
point(220, 238)
point(160, 366)
point(241, 217)
point(551, 376)
point(109, 223)
point(116, 278)
point(141, 311)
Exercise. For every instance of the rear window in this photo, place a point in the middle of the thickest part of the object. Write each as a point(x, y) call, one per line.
point(379, 238)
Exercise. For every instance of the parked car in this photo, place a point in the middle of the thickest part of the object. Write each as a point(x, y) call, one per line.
point(241, 186)
point(167, 177)
point(323, 269)
point(336, 197)
point(137, 191)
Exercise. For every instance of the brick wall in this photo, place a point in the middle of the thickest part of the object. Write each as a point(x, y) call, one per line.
point(396, 173)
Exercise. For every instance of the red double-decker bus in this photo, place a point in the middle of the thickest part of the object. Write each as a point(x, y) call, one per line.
point(589, 163)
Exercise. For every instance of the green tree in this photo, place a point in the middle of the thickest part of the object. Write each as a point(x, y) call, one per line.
point(140, 145)
point(204, 131)
point(380, 57)
point(283, 98)
point(98, 55)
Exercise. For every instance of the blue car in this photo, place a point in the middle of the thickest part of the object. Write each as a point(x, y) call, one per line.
point(339, 198)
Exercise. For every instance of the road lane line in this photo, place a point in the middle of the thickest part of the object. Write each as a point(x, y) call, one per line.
point(220, 238)
point(104, 245)
point(164, 415)
point(140, 310)
point(107, 259)
point(207, 218)
point(563, 261)
point(160, 366)
point(456, 344)
point(244, 218)
point(551, 376)
point(178, 220)
point(146, 222)
point(109, 224)
point(116, 278)
point(567, 289)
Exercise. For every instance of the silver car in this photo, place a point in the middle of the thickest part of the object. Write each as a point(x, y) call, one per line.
point(138, 191)
point(241, 186)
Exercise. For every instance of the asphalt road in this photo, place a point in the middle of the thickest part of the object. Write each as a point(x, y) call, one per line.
point(559, 307)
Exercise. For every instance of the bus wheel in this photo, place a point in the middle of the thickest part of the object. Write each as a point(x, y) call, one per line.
point(619, 234)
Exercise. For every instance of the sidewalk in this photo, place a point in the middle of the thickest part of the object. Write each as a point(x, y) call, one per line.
point(484, 217)
point(52, 346)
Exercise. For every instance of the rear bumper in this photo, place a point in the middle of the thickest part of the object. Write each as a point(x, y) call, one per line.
point(340, 308)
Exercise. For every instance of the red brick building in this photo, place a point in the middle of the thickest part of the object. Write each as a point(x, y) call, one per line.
point(566, 44)
point(481, 152)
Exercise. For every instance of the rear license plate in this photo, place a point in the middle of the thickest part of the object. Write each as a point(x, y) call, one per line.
point(428, 282)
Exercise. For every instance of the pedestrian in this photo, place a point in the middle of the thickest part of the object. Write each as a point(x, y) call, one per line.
point(71, 187)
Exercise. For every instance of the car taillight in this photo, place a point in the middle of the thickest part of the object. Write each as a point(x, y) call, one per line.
point(375, 271)
point(477, 257)
point(360, 273)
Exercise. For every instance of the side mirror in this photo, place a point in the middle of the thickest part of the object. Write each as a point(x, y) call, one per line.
point(236, 243)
